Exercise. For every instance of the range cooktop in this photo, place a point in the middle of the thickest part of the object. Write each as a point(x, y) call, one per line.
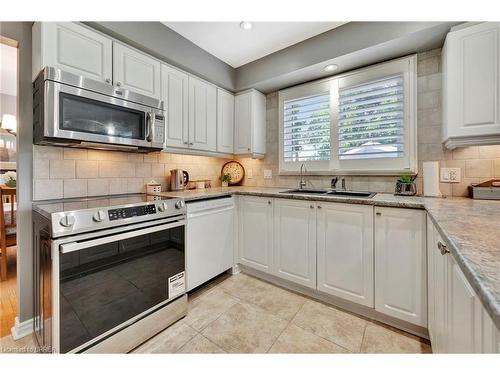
point(78, 215)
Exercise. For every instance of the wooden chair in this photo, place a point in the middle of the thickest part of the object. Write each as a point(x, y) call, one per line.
point(8, 235)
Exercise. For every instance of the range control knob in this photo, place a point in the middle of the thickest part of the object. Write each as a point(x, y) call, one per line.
point(162, 207)
point(179, 204)
point(67, 221)
point(99, 216)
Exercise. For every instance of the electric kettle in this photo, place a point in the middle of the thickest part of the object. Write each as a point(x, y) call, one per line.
point(178, 179)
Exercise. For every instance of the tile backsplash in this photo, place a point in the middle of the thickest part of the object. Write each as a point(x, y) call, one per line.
point(60, 172)
point(67, 172)
point(476, 163)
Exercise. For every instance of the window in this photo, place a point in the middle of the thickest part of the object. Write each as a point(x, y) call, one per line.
point(306, 134)
point(361, 122)
point(371, 119)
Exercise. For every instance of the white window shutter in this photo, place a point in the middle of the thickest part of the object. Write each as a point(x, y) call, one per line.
point(306, 129)
point(371, 119)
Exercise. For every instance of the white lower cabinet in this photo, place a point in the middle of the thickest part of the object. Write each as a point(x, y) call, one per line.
point(436, 298)
point(255, 232)
point(400, 264)
point(458, 322)
point(345, 251)
point(295, 241)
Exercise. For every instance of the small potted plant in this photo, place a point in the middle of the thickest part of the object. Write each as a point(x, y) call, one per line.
point(405, 185)
point(10, 179)
point(225, 179)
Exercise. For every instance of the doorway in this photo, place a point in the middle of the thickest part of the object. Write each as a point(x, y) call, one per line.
point(8, 183)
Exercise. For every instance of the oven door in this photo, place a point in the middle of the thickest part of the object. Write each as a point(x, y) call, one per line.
point(86, 116)
point(108, 283)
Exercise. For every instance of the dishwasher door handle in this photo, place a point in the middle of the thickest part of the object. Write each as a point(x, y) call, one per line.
point(211, 211)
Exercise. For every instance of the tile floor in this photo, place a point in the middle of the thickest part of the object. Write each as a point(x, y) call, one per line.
point(242, 314)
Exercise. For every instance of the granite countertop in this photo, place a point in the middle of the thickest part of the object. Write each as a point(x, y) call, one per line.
point(470, 228)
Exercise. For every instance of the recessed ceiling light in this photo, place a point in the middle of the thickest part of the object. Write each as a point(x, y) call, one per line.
point(330, 68)
point(245, 25)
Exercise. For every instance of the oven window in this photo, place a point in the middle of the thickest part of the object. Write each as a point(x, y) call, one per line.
point(85, 115)
point(106, 285)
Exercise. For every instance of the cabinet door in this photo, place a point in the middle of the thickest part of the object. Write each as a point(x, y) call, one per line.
point(461, 301)
point(255, 223)
point(202, 115)
point(243, 123)
point(345, 251)
point(259, 123)
point(73, 48)
point(437, 272)
point(400, 264)
point(472, 81)
point(136, 71)
point(294, 253)
point(175, 97)
point(225, 122)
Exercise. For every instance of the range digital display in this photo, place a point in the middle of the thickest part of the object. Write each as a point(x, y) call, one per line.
point(125, 213)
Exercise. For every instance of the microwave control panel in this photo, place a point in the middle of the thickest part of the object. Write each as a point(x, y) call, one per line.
point(125, 213)
point(159, 129)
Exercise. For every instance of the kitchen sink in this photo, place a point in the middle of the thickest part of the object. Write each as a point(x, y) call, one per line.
point(334, 193)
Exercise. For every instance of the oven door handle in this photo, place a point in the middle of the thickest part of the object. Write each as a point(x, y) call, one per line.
point(76, 246)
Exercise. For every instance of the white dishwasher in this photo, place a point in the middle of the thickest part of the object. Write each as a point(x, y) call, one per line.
point(209, 239)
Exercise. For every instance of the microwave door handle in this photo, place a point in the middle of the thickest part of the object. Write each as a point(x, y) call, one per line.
point(149, 127)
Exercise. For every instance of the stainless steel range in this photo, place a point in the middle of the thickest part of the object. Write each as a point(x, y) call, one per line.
point(109, 271)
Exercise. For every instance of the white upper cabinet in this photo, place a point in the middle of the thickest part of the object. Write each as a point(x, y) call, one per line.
point(400, 264)
point(255, 233)
point(136, 71)
point(175, 96)
point(73, 48)
point(471, 86)
point(345, 251)
point(250, 124)
point(202, 115)
point(225, 121)
point(295, 241)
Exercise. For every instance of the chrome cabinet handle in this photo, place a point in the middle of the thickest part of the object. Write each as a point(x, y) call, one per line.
point(148, 127)
point(191, 143)
point(378, 213)
point(319, 207)
point(311, 206)
point(249, 149)
point(108, 80)
point(118, 84)
point(442, 248)
point(185, 143)
point(268, 202)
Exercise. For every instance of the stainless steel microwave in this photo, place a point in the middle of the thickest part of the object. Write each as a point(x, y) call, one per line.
point(70, 110)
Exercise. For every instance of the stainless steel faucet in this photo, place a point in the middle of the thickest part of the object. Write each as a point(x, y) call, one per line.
point(302, 182)
point(333, 184)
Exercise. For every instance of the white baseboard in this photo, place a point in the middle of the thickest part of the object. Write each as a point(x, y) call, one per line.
point(21, 329)
point(235, 269)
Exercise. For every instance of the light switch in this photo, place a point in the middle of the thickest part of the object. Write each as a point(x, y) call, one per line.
point(249, 173)
point(268, 174)
point(451, 175)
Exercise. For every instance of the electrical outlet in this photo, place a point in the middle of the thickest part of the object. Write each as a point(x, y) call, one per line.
point(249, 173)
point(268, 174)
point(451, 175)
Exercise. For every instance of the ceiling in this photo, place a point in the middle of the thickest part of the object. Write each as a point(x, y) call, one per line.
point(237, 47)
point(8, 70)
